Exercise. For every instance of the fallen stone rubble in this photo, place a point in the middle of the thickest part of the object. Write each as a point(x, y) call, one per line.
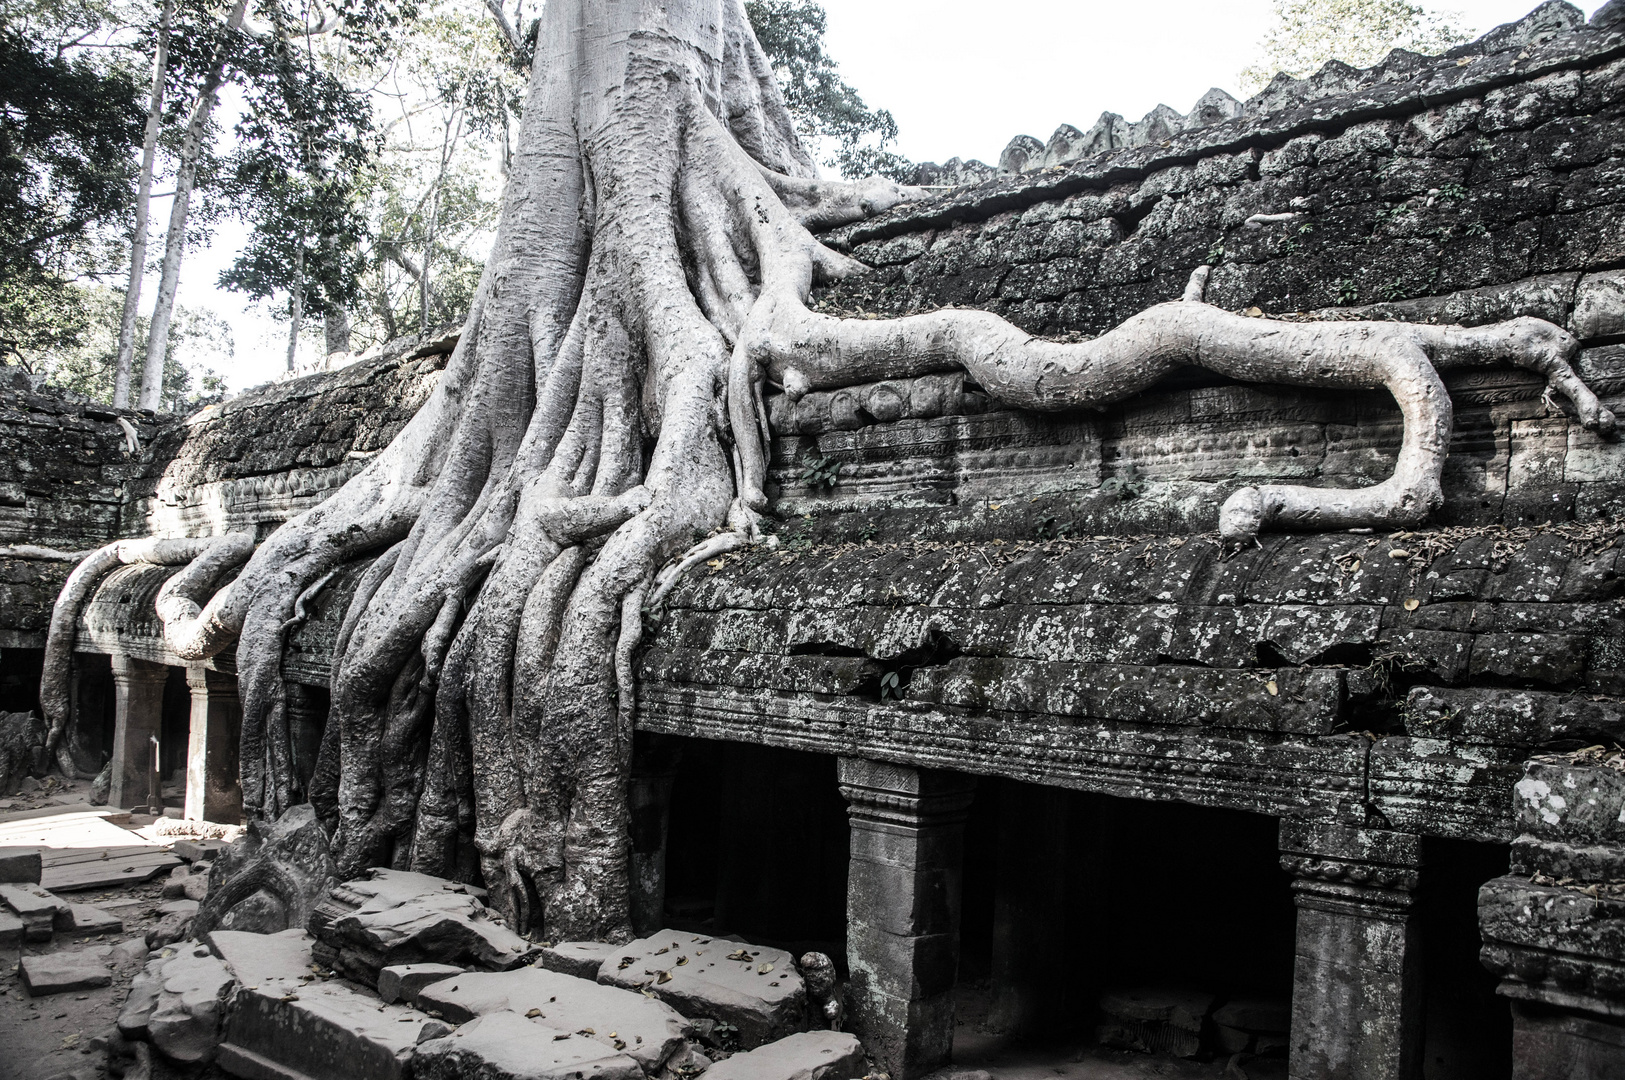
point(402, 975)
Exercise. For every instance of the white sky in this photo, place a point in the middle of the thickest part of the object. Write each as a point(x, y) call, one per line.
point(962, 77)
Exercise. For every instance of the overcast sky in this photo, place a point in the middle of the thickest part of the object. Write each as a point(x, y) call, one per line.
point(962, 78)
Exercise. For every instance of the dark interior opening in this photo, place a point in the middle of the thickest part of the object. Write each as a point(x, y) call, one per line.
point(20, 671)
point(175, 731)
point(757, 846)
point(1468, 1027)
point(1136, 894)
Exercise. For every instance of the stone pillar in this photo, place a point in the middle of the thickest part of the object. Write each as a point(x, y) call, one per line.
point(902, 912)
point(307, 719)
point(1554, 929)
point(138, 702)
point(654, 771)
point(213, 789)
point(1029, 907)
point(1357, 984)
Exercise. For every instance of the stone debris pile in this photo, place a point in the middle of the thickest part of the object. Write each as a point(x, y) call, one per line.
point(404, 975)
point(32, 914)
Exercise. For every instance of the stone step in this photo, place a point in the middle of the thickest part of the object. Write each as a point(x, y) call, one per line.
point(579, 958)
point(756, 989)
point(646, 1030)
point(807, 1055)
point(84, 920)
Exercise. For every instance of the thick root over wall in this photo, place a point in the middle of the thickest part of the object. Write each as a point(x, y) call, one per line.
point(602, 416)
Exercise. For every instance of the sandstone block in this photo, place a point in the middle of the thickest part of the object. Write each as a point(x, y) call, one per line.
point(12, 930)
point(83, 920)
point(807, 1055)
point(648, 1031)
point(34, 906)
point(19, 865)
point(397, 917)
point(64, 972)
point(579, 958)
point(185, 1021)
point(402, 982)
point(506, 1046)
point(148, 983)
point(756, 989)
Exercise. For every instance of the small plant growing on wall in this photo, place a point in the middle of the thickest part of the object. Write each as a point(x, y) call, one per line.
point(821, 474)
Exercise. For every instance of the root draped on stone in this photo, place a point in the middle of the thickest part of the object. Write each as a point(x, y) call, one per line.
point(601, 418)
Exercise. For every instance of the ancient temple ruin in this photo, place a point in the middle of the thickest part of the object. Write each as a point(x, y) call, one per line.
point(998, 721)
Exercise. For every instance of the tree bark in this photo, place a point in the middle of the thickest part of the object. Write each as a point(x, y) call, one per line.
point(600, 418)
point(296, 316)
point(152, 374)
point(124, 364)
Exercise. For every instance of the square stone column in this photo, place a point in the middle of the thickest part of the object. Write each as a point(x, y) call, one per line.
point(213, 788)
point(138, 703)
point(902, 910)
point(1357, 983)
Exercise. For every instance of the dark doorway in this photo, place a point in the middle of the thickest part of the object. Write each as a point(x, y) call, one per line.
point(1469, 1027)
point(757, 846)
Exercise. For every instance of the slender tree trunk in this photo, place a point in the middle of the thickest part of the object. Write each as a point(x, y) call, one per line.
point(152, 375)
point(124, 365)
point(296, 306)
point(336, 331)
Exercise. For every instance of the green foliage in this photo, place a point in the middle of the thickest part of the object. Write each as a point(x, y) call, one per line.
point(891, 686)
point(1307, 33)
point(67, 126)
point(821, 474)
point(824, 106)
point(81, 355)
point(1127, 484)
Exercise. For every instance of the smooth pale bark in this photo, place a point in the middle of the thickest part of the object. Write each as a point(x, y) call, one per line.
point(152, 373)
point(296, 313)
point(601, 418)
point(124, 362)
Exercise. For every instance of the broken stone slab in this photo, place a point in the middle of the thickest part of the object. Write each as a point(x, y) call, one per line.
point(401, 982)
point(271, 877)
point(64, 972)
point(806, 1055)
point(197, 850)
point(142, 998)
point(12, 931)
point(398, 917)
point(285, 1022)
point(579, 958)
point(20, 865)
point(186, 1018)
point(34, 906)
point(649, 1031)
point(506, 1046)
point(756, 989)
point(84, 920)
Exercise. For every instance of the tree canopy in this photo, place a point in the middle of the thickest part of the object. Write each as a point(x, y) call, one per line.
point(1307, 33)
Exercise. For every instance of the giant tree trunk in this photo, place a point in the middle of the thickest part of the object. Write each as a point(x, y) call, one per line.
point(601, 417)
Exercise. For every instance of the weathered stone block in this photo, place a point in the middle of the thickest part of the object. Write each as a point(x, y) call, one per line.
point(186, 1017)
point(66, 971)
point(579, 958)
point(807, 1055)
point(19, 865)
point(754, 988)
point(397, 917)
point(36, 907)
point(648, 1031)
point(507, 1046)
point(403, 981)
